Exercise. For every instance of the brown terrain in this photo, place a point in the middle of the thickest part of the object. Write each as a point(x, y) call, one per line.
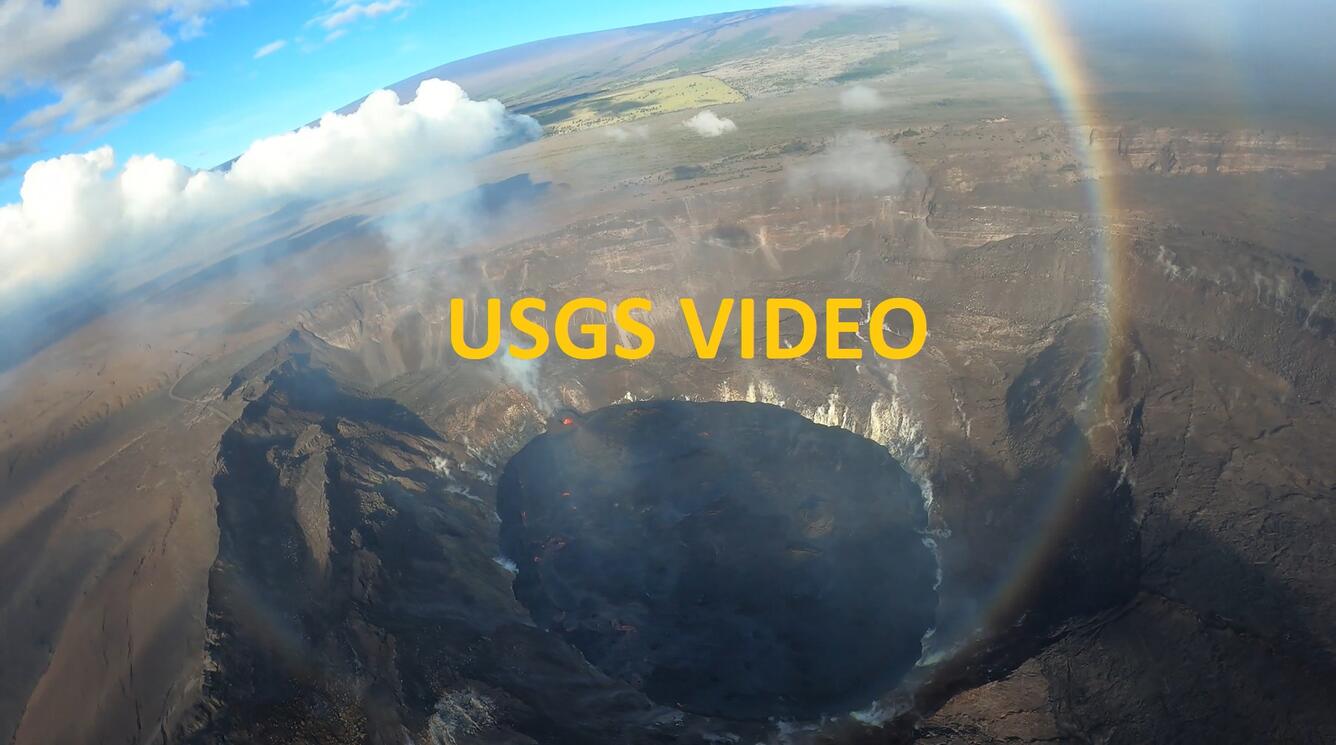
point(260, 500)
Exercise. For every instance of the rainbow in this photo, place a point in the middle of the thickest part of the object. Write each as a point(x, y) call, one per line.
point(1053, 52)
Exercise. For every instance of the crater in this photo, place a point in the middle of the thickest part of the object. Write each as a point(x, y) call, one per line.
point(729, 559)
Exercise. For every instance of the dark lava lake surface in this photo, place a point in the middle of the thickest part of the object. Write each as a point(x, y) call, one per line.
point(733, 559)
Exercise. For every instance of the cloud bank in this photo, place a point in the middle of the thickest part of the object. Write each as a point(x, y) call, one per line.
point(102, 58)
point(78, 213)
point(709, 124)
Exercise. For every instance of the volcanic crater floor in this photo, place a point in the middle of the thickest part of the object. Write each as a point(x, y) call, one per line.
point(728, 559)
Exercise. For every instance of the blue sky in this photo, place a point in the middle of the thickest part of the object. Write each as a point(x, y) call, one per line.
point(227, 97)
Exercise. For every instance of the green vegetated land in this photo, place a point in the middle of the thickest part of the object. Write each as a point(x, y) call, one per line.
point(636, 102)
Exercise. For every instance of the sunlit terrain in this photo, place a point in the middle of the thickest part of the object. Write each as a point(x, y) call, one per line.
point(248, 492)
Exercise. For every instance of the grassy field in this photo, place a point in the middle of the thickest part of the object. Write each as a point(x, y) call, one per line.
point(636, 102)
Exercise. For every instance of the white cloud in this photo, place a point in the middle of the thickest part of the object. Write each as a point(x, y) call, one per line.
point(270, 48)
point(13, 150)
point(862, 98)
point(102, 58)
point(78, 213)
point(340, 15)
point(346, 12)
point(628, 133)
point(709, 124)
point(856, 161)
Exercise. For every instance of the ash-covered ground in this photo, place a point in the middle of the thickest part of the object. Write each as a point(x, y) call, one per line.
point(257, 499)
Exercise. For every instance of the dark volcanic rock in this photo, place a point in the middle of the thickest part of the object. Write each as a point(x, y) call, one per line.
point(358, 597)
point(350, 571)
point(734, 558)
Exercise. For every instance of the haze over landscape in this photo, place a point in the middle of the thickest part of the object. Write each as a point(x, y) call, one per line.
point(249, 493)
